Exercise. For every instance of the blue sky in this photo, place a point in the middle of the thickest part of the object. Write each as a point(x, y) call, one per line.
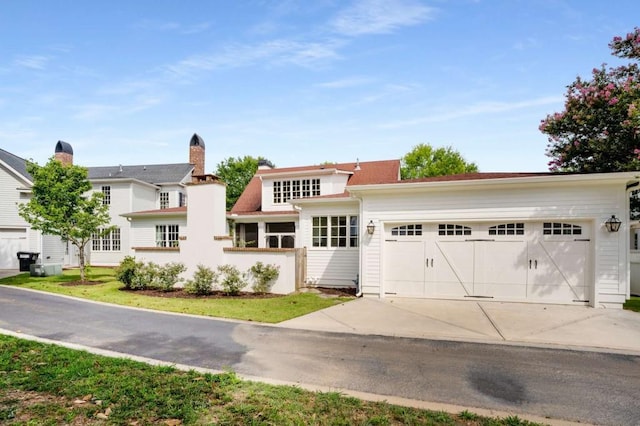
point(297, 82)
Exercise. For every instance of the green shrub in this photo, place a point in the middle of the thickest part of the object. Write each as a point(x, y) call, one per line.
point(263, 277)
point(232, 280)
point(126, 271)
point(202, 282)
point(169, 275)
point(145, 277)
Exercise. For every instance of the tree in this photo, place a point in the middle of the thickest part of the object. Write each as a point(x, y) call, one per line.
point(60, 206)
point(426, 161)
point(598, 131)
point(236, 173)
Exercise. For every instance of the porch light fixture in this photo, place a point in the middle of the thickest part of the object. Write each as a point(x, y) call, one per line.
point(613, 224)
point(371, 228)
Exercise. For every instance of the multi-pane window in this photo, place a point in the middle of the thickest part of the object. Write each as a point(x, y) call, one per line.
point(106, 195)
point(557, 228)
point(182, 199)
point(164, 200)
point(277, 192)
point(453, 229)
point(167, 235)
point(109, 241)
point(286, 190)
point(335, 231)
point(407, 230)
point(507, 229)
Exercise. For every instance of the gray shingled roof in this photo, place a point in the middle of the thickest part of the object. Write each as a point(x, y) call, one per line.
point(153, 173)
point(16, 163)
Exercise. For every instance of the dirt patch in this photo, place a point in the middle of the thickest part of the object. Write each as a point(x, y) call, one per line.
point(181, 294)
point(335, 291)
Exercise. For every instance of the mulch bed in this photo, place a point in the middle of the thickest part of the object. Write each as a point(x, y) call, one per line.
point(78, 283)
point(181, 294)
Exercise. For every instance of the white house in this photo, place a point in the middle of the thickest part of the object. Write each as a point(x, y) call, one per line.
point(528, 237)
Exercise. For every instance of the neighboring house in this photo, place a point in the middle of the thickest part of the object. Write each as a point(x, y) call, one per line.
point(310, 207)
point(156, 189)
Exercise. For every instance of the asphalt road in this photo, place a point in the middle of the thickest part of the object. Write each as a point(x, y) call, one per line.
point(561, 384)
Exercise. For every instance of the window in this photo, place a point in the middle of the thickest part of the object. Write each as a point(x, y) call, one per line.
point(335, 231)
point(452, 229)
point(182, 199)
point(320, 231)
point(408, 230)
point(106, 195)
point(277, 192)
point(280, 234)
point(167, 235)
point(286, 190)
point(507, 229)
point(557, 228)
point(106, 242)
point(164, 200)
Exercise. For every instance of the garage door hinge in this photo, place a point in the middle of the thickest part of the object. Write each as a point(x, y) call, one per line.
point(480, 239)
point(582, 239)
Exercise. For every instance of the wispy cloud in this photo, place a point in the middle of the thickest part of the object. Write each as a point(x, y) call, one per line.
point(274, 52)
point(162, 26)
point(35, 62)
point(471, 110)
point(346, 83)
point(380, 16)
point(102, 111)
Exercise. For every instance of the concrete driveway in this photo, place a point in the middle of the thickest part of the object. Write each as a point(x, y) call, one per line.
point(576, 327)
point(8, 273)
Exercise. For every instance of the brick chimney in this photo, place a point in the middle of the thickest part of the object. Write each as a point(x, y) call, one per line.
point(64, 153)
point(196, 154)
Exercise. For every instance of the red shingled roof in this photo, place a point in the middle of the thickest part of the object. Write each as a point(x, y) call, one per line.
point(478, 176)
point(370, 172)
point(160, 212)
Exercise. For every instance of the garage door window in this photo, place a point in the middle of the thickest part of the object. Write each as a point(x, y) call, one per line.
point(452, 229)
point(507, 229)
point(407, 230)
point(557, 228)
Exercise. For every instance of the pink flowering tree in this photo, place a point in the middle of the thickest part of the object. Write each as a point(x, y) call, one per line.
point(599, 129)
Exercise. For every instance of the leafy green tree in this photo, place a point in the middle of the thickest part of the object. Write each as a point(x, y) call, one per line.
point(425, 161)
point(599, 129)
point(236, 173)
point(60, 206)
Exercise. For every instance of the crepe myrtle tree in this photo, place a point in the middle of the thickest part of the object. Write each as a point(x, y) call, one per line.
point(60, 205)
point(598, 130)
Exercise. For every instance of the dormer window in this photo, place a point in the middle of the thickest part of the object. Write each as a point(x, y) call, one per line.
point(164, 200)
point(286, 190)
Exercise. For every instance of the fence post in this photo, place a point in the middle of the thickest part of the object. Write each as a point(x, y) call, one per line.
point(301, 267)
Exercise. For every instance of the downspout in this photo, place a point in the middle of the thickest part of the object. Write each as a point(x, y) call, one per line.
point(360, 256)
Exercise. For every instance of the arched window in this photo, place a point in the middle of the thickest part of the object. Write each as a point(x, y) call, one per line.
point(407, 230)
point(507, 229)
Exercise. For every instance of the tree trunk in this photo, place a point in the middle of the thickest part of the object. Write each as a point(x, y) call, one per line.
point(81, 259)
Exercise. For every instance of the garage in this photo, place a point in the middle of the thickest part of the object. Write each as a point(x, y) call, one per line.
point(12, 240)
point(546, 261)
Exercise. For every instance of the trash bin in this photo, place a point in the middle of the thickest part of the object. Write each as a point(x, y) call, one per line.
point(27, 258)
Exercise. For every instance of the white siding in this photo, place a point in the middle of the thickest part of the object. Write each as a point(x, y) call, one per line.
point(9, 197)
point(594, 203)
point(53, 250)
point(328, 266)
point(329, 184)
point(143, 230)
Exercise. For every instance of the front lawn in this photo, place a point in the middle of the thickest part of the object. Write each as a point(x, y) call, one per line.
point(269, 310)
point(632, 304)
point(49, 385)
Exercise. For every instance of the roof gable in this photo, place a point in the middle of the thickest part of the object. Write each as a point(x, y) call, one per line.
point(16, 163)
point(360, 173)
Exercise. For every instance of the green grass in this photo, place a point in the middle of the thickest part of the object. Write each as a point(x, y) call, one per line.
point(632, 304)
point(269, 310)
point(49, 385)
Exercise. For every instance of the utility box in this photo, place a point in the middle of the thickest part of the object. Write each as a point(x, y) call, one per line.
point(48, 270)
point(26, 259)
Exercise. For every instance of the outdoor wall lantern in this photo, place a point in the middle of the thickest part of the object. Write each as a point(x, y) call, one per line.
point(371, 228)
point(613, 224)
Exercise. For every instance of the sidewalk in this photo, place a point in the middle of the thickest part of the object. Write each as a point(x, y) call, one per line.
point(573, 327)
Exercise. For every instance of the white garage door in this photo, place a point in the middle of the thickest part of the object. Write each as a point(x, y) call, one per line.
point(507, 261)
point(11, 242)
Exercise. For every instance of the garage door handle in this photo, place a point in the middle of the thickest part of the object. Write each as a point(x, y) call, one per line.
point(529, 263)
point(427, 262)
point(535, 264)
